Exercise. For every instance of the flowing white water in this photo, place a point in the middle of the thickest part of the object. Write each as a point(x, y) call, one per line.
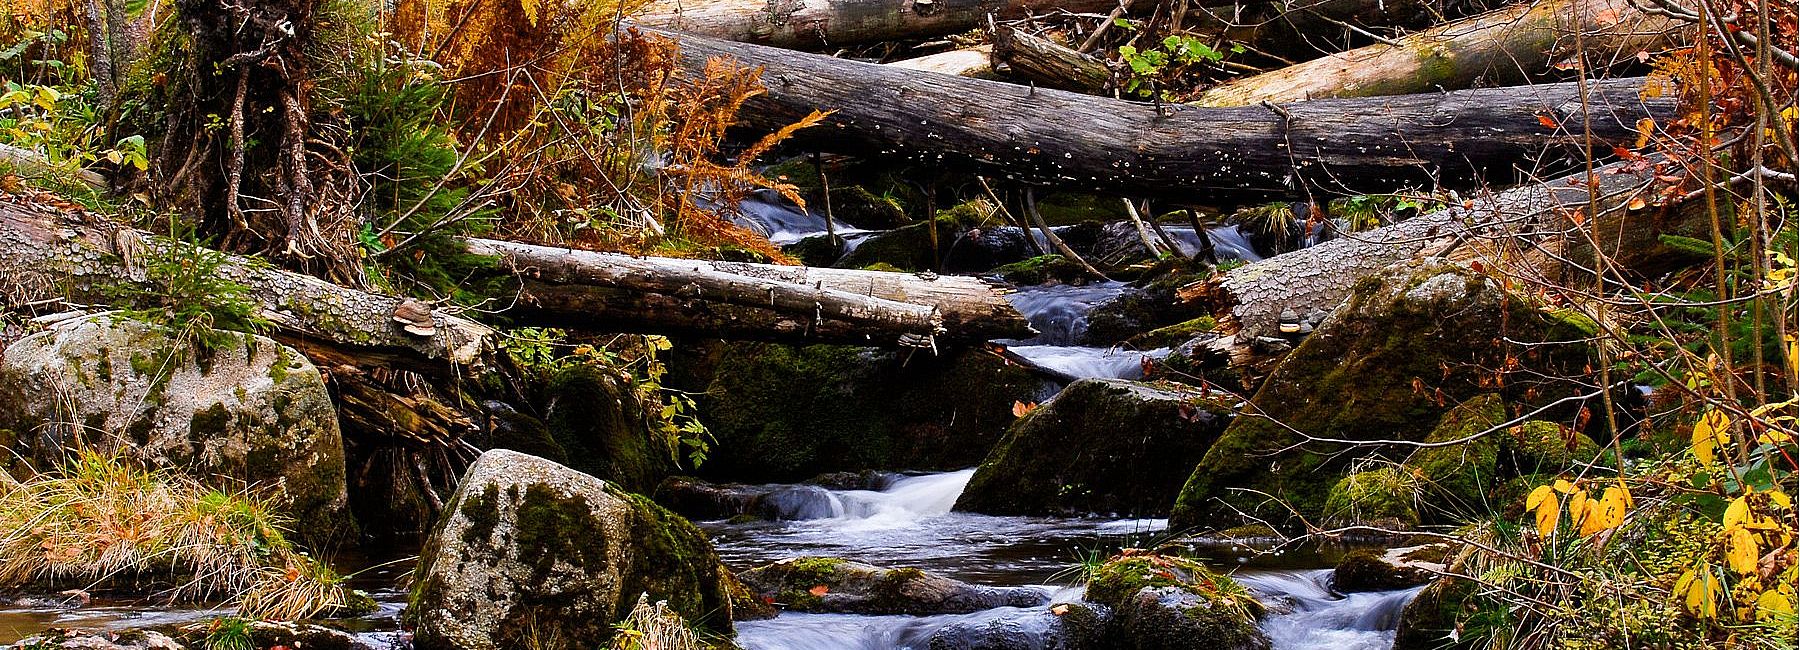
point(910, 523)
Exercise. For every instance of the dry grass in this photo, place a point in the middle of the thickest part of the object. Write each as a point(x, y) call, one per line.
point(654, 627)
point(103, 522)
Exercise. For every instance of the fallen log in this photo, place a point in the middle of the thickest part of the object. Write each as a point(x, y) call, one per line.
point(1243, 153)
point(1250, 299)
point(972, 62)
point(53, 251)
point(1507, 46)
point(1049, 64)
point(742, 300)
point(797, 24)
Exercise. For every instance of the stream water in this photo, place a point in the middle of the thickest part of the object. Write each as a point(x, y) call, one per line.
point(910, 523)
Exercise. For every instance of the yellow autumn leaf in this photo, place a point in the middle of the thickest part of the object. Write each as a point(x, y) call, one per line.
point(1736, 514)
point(1565, 487)
point(1578, 509)
point(1741, 551)
point(1709, 435)
point(1593, 519)
point(1538, 496)
point(1773, 603)
point(1698, 592)
point(1547, 511)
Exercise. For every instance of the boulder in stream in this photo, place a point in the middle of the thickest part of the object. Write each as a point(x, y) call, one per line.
point(1409, 344)
point(1164, 602)
point(1372, 570)
point(252, 410)
point(535, 554)
point(824, 584)
point(1062, 626)
point(1100, 446)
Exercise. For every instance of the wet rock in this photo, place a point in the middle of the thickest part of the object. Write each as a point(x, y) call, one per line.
point(1432, 621)
point(1371, 570)
point(1043, 269)
point(597, 418)
point(822, 584)
point(912, 247)
point(1409, 344)
point(253, 410)
point(981, 249)
point(788, 413)
point(507, 428)
point(1149, 304)
point(80, 640)
point(281, 634)
point(699, 499)
point(1062, 626)
point(1105, 446)
point(534, 552)
point(1162, 602)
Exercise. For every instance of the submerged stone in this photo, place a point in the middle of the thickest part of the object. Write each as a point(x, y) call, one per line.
point(823, 584)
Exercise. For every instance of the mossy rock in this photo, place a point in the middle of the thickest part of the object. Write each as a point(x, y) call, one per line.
point(1067, 457)
point(1164, 602)
point(911, 247)
point(1433, 619)
point(1537, 446)
point(1385, 497)
point(1369, 570)
point(817, 250)
point(251, 412)
point(1387, 364)
point(509, 429)
point(534, 554)
point(825, 584)
point(598, 420)
point(1042, 269)
point(1150, 304)
point(1069, 208)
point(1455, 479)
point(1173, 335)
point(788, 413)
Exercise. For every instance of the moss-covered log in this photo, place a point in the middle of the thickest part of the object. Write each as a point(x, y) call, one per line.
point(49, 251)
point(1501, 47)
point(1238, 153)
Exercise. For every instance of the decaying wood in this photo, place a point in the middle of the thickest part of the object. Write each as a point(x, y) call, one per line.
point(1049, 64)
point(79, 255)
point(1251, 298)
point(743, 300)
point(1503, 47)
point(972, 62)
point(798, 24)
point(1079, 141)
point(29, 163)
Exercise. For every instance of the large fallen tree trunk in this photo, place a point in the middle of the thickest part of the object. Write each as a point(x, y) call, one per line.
point(1531, 218)
point(743, 300)
point(816, 25)
point(1211, 154)
point(50, 252)
point(1502, 47)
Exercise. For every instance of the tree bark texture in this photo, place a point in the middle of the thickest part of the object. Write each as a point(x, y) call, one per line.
point(972, 62)
point(1502, 47)
point(1049, 64)
point(820, 25)
point(1204, 155)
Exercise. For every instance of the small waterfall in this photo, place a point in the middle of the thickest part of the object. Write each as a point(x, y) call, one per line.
point(773, 216)
point(904, 503)
point(1304, 614)
point(1059, 312)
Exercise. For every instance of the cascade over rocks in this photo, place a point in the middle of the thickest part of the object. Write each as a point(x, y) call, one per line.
point(1408, 344)
point(254, 411)
point(1100, 446)
point(532, 551)
point(824, 584)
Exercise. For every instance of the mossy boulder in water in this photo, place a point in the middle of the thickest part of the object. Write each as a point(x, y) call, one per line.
point(1386, 365)
point(1371, 570)
point(251, 411)
point(788, 413)
point(598, 419)
point(1537, 446)
point(1454, 479)
point(823, 584)
point(1385, 496)
point(1163, 602)
point(1105, 446)
point(911, 247)
point(530, 551)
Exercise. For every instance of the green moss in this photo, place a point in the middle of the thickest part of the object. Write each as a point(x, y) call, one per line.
point(1041, 269)
point(675, 562)
point(883, 266)
point(1123, 576)
point(1378, 496)
point(911, 247)
point(1068, 208)
point(1384, 367)
point(1545, 447)
point(551, 527)
point(599, 423)
point(1173, 335)
point(212, 423)
point(483, 512)
point(1455, 478)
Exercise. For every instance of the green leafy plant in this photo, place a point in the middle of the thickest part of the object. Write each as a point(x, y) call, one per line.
point(1154, 70)
point(188, 291)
